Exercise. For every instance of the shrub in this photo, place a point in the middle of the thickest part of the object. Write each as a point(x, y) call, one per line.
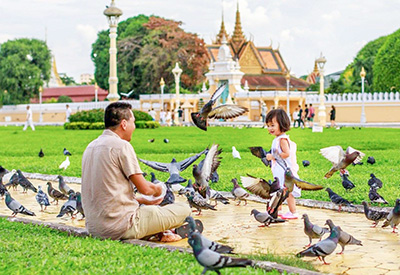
point(96, 126)
point(147, 124)
point(77, 125)
point(51, 100)
point(91, 116)
point(142, 116)
point(64, 99)
point(140, 124)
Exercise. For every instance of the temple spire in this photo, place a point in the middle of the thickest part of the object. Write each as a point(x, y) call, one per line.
point(238, 36)
point(222, 32)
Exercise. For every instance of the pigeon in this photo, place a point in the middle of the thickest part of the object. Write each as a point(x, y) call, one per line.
point(7, 175)
point(3, 171)
point(64, 188)
point(151, 140)
point(79, 207)
point(374, 182)
point(169, 197)
point(239, 193)
point(187, 189)
point(69, 207)
point(166, 140)
point(25, 183)
point(66, 152)
point(259, 186)
point(336, 199)
point(275, 202)
point(375, 197)
point(235, 153)
point(262, 154)
point(55, 194)
point(347, 184)
point(313, 231)
point(12, 181)
point(322, 248)
point(374, 215)
point(64, 165)
point(371, 160)
point(305, 163)
point(393, 219)
point(198, 202)
point(216, 196)
point(127, 95)
point(214, 177)
point(340, 159)
point(41, 154)
point(16, 207)
point(344, 237)
point(262, 217)
point(42, 199)
point(173, 168)
point(212, 260)
point(291, 180)
point(214, 246)
point(3, 189)
point(224, 111)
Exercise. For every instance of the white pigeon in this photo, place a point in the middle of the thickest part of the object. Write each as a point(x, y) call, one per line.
point(235, 153)
point(127, 94)
point(65, 164)
point(7, 177)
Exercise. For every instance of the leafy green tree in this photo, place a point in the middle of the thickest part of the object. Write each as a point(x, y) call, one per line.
point(64, 99)
point(67, 80)
point(24, 66)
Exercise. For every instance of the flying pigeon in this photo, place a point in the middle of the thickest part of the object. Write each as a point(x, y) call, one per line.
point(79, 207)
point(275, 202)
point(64, 188)
point(55, 194)
point(347, 184)
point(16, 207)
point(166, 140)
point(259, 186)
point(262, 154)
point(393, 219)
point(340, 159)
point(313, 231)
point(224, 111)
point(41, 154)
point(66, 152)
point(291, 180)
point(374, 215)
point(173, 168)
point(42, 199)
point(374, 182)
point(214, 246)
point(262, 217)
point(127, 95)
point(371, 160)
point(375, 197)
point(336, 199)
point(344, 237)
point(64, 165)
point(322, 248)
point(151, 140)
point(25, 183)
point(235, 153)
point(13, 179)
point(198, 202)
point(212, 260)
point(69, 207)
point(3, 171)
point(239, 193)
point(169, 197)
point(306, 163)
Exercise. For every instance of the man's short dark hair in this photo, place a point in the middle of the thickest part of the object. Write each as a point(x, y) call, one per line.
point(281, 117)
point(115, 113)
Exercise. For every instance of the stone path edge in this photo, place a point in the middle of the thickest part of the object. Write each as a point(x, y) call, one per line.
point(80, 232)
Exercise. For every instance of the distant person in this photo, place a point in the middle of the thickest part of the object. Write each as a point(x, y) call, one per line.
point(29, 119)
point(180, 115)
point(305, 115)
point(264, 110)
point(162, 117)
point(300, 119)
point(333, 116)
point(296, 117)
point(68, 113)
point(311, 115)
point(168, 118)
point(152, 113)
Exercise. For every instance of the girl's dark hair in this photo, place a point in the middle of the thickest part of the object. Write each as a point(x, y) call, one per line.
point(333, 107)
point(281, 117)
point(115, 113)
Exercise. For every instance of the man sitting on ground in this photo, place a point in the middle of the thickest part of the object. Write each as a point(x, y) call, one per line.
point(110, 171)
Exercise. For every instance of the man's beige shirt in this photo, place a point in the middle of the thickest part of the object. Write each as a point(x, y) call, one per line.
point(107, 194)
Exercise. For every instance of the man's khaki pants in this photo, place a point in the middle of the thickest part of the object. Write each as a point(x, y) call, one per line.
point(152, 219)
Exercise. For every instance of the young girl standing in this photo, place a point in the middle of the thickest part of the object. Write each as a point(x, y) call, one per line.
point(278, 124)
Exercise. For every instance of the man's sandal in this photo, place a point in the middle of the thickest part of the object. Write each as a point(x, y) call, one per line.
point(184, 230)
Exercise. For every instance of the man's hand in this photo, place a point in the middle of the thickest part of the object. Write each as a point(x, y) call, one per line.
point(142, 200)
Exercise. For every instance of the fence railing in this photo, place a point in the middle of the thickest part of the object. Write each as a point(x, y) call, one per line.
point(356, 97)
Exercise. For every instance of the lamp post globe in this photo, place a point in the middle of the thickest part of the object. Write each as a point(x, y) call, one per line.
point(177, 74)
point(363, 119)
point(321, 108)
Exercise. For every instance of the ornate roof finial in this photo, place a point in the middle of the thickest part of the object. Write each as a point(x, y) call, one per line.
point(222, 32)
point(238, 36)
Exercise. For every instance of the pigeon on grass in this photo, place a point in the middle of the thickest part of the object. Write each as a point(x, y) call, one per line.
point(64, 165)
point(66, 152)
point(41, 154)
point(235, 153)
point(338, 200)
point(346, 183)
point(374, 182)
point(375, 197)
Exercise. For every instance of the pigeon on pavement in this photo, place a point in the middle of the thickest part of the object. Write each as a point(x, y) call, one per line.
point(169, 197)
point(42, 199)
point(259, 186)
point(347, 184)
point(344, 237)
point(216, 196)
point(262, 217)
point(79, 207)
point(25, 183)
point(393, 219)
point(55, 194)
point(12, 180)
point(69, 207)
point(66, 152)
point(313, 231)
point(224, 111)
point(16, 207)
point(198, 202)
point(374, 215)
point(41, 154)
point(239, 193)
point(340, 159)
point(338, 200)
point(262, 154)
point(374, 182)
point(235, 153)
point(375, 197)
point(64, 188)
point(212, 260)
point(371, 160)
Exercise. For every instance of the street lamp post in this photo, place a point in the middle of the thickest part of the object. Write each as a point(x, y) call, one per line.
point(162, 85)
point(113, 13)
point(40, 104)
point(288, 94)
point(96, 87)
point(177, 74)
point(363, 117)
point(321, 108)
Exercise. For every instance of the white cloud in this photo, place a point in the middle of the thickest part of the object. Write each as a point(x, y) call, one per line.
point(88, 32)
point(332, 16)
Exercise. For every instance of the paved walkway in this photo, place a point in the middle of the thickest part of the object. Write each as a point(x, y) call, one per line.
point(234, 226)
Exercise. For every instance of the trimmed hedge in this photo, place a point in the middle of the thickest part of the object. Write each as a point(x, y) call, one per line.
point(91, 116)
point(141, 116)
point(147, 124)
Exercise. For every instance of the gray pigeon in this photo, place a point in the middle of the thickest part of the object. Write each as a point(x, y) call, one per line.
point(41, 154)
point(322, 248)
point(66, 152)
point(25, 183)
point(216, 196)
point(239, 193)
point(259, 186)
point(224, 111)
point(212, 260)
point(214, 246)
point(3, 189)
point(42, 199)
point(173, 168)
point(169, 197)
point(375, 197)
point(14, 182)
point(338, 200)
point(189, 187)
point(305, 163)
point(3, 171)
point(374, 182)
point(16, 207)
point(198, 202)
point(262, 154)
point(69, 207)
point(313, 231)
point(79, 207)
point(393, 219)
point(371, 160)
point(262, 217)
point(346, 183)
point(374, 215)
point(64, 188)
point(344, 238)
point(55, 194)
point(340, 159)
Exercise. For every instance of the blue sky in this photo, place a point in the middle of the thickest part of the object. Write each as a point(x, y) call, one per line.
point(301, 29)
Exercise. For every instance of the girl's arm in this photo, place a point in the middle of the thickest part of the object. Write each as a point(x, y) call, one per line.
point(285, 148)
